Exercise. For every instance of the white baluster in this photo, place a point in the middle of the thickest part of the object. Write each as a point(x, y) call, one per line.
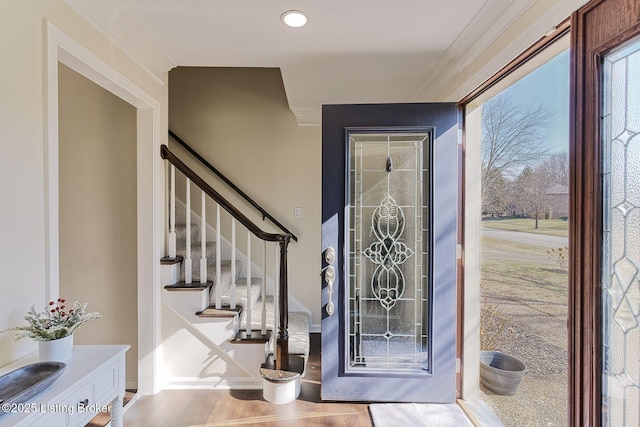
point(233, 263)
point(276, 292)
point(172, 213)
point(187, 260)
point(218, 266)
point(248, 307)
point(203, 241)
point(263, 318)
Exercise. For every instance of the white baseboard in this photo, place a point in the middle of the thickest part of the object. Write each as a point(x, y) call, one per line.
point(189, 383)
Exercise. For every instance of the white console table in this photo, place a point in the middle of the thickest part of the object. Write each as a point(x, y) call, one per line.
point(94, 378)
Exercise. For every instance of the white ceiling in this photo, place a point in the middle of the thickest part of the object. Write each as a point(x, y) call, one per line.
point(351, 51)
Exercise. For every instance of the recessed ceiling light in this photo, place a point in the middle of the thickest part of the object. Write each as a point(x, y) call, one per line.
point(294, 18)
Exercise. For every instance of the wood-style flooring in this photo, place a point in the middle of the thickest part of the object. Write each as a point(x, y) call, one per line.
point(247, 407)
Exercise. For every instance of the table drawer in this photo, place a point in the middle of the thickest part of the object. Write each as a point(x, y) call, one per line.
point(106, 384)
point(77, 403)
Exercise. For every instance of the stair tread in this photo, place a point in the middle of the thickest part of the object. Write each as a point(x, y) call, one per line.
point(183, 286)
point(254, 337)
point(167, 260)
point(224, 311)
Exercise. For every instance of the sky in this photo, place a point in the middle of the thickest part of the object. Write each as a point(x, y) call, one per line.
point(549, 86)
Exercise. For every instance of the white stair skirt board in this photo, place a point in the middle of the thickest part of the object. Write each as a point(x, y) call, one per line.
point(418, 414)
point(197, 352)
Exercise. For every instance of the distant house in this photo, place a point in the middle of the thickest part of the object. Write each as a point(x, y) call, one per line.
point(558, 201)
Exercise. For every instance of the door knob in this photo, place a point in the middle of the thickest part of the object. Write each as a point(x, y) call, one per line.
point(329, 278)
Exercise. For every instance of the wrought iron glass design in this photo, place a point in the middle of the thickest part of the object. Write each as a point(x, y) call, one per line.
point(387, 252)
point(621, 237)
point(388, 227)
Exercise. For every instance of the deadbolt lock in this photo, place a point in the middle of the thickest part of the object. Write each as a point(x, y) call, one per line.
point(329, 255)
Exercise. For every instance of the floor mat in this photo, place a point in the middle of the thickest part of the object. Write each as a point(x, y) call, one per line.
point(418, 414)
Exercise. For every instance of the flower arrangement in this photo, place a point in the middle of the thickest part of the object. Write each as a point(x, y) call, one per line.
point(54, 322)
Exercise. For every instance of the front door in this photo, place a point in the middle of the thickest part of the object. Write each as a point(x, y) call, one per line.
point(389, 216)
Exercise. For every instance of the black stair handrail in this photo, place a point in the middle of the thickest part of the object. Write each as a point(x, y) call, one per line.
point(235, 188)
point(224, 203)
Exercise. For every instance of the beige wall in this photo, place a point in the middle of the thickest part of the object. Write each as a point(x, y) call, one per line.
point(238, 119)
point(23, 142)
point(98, 248)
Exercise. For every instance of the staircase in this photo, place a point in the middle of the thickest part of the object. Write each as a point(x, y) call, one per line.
point(222, 325)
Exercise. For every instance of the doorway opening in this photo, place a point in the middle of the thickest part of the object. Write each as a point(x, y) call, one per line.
point(517, 134)
point(62, 49)
point(389, 222)
point(97, 210)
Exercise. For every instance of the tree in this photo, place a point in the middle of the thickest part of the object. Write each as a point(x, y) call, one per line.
point(557, 166)
point(513, 136)
point(495, 199)
point(531, 192)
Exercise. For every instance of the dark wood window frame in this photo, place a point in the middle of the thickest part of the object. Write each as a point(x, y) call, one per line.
point(596, 28)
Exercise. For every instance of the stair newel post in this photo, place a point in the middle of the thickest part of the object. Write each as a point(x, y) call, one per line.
point(263, 318)
point(187, 259)
point(218, 266)
point(203, 240)
point(276, 293)
point(282, 351)
point(233, 263)
point(248, 307)
point(172, 213)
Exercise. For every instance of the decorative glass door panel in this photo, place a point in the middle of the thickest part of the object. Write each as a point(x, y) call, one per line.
point(388, 252)
point(621, 236)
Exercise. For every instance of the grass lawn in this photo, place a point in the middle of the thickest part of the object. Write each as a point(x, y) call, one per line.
point(525, 296)
point(551, 227)
point(522, 275)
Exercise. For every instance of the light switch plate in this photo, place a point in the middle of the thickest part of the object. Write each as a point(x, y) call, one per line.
point(297, 212)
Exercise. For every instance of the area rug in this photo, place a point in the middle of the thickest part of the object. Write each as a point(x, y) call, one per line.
point(418, 414)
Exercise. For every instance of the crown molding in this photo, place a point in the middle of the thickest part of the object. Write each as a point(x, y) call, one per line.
point(435, 88)
point(110, 19)
point(307, 116)
point(491, 22)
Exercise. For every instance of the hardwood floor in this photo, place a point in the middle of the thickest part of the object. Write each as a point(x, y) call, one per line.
point(247, 407)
